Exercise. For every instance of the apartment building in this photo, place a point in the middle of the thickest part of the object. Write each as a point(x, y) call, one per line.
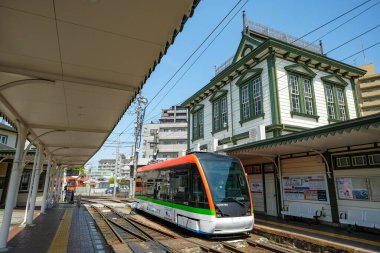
point(369, 90)
point(168, 137)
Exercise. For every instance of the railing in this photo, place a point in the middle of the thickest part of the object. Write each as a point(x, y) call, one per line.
point(224, 65)
point(273, 33)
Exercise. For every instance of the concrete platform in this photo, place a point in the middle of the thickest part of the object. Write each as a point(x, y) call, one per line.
point(65, 228)
point(324, 235)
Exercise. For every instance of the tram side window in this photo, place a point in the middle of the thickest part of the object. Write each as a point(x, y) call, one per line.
point(197, 192)
point(163, 185)
point(179, 184)
point(149, 187)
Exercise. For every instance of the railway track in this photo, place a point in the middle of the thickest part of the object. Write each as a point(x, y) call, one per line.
point(122, 229)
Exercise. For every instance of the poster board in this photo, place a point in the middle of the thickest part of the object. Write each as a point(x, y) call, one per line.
point(310, 188)
point(352, 188)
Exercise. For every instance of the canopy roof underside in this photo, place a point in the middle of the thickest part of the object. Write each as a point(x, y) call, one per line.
point(72, 68)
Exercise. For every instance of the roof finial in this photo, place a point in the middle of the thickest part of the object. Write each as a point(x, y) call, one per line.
point(245, 23)
point(321, 46)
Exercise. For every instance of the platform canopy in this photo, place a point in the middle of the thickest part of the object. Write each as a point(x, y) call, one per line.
point(69, 69)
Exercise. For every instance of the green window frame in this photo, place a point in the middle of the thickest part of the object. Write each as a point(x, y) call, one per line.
point(336, 102)
point(302, 98)
point(198, 124)
point(220, 114)
point(251, 99)
point(301, 91)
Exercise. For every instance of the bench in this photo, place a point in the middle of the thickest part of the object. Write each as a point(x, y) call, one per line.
point(363, 218)
point(304, 210)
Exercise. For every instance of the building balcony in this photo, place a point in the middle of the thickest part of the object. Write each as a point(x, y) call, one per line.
point(369, 94)
point(370, 85)
point(172, 148)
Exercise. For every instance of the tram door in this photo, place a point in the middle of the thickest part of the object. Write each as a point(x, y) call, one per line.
point(270, 189)
point(270, 194)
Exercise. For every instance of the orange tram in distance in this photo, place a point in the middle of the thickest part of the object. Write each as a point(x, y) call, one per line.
point(203, 192)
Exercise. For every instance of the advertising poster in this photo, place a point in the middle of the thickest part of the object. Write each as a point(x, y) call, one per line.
point(256, 187)
point(311, 188)
point(352, 188)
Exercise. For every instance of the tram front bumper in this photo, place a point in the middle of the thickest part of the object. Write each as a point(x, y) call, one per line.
point(233, 225)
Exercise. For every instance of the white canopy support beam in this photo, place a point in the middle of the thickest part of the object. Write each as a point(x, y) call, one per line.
point(75, 80)
point(71, 129)
point(11, 193)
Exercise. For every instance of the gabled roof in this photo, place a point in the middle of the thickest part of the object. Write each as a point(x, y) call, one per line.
point(280, 49)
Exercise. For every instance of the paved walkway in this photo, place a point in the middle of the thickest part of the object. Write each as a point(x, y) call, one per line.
point(65, 228)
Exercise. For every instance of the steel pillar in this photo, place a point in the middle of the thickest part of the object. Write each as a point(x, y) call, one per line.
point(30, 188)
point(47, 176)
point(39, 166)
point(12, 186)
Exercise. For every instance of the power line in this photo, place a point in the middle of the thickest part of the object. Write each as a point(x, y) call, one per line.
point(341, 45)
point(361, 51)
point(345, 22)
point(192, 54)
point(192, 64)
point(196, 50)
point(332, 20)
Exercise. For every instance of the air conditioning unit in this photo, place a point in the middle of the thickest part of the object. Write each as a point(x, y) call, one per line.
point(212, 145)
point(257, 133)
point(221, 147)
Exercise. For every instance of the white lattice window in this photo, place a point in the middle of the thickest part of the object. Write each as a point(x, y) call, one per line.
point(308, 94)
point(224, 112)
point(216, 116)
point(341, 104)
point(245, 102)
point(330, 102)
point(294, 92)
point(257, 99)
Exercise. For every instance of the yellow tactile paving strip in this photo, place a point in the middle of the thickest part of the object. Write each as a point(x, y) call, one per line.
point(346, 237)
point(61, 238)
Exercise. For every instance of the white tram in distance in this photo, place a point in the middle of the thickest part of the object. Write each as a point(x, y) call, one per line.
point(203, 192)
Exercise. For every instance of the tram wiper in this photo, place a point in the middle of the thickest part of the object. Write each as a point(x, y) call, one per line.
point(237, 201)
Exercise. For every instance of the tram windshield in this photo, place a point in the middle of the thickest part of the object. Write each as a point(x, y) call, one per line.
point(226, 180)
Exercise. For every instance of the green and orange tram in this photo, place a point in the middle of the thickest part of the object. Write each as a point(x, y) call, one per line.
point(203, 192)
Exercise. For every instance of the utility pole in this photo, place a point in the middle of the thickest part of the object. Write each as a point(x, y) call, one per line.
point(155, 144)
point(116, 167)
point(140, 114)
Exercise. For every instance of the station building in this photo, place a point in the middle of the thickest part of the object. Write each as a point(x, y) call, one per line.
point(292, 116)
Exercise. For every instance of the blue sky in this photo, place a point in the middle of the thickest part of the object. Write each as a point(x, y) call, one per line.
point(295, 17)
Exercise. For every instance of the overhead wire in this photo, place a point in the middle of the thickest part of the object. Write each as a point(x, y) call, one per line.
point(193, 53)
point(292, 42)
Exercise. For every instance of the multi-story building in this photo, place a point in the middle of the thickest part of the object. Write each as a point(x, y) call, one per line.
point(168, 138)
point(175, 114)
point(369, 91)
point(106, 168)
point(271, 87)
